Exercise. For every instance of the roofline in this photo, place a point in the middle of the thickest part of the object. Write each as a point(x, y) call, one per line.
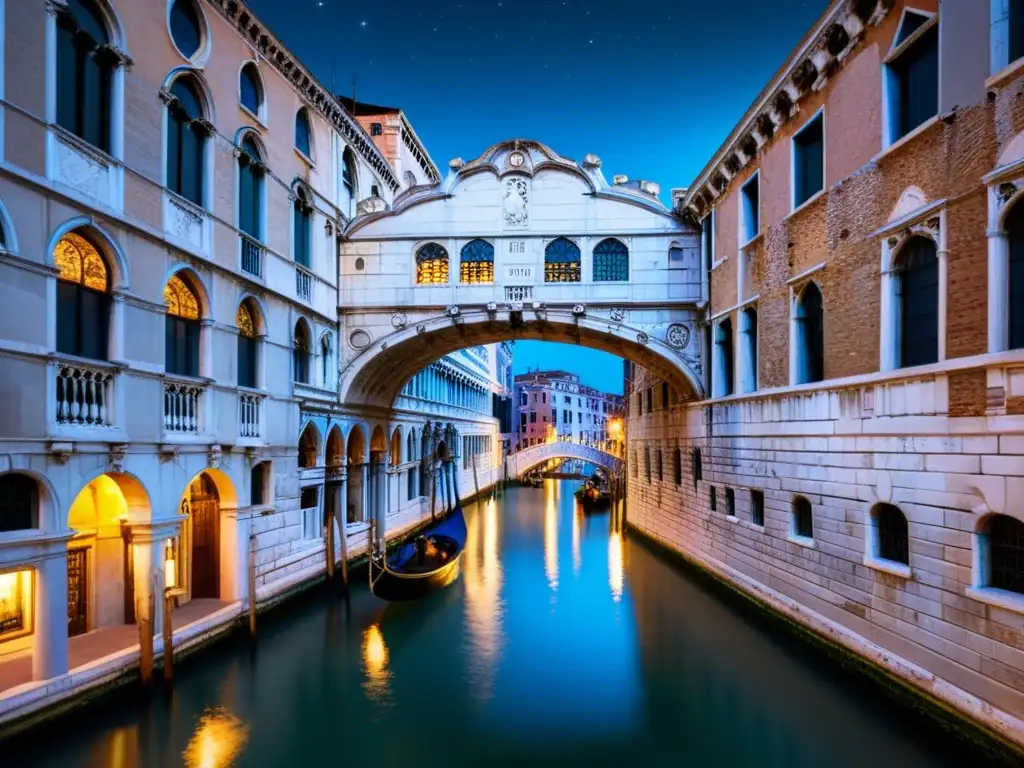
point(436, 175)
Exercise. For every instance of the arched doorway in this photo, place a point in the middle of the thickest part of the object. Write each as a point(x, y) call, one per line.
point(199, 566)
point(356, 476)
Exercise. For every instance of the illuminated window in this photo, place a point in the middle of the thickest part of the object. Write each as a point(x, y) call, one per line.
point(611, 261)
point(476, 264)
point(246, 346)
point(561, 262)
point(83, 301)
point(181, 326)
point(15, 590)
point(431, 265)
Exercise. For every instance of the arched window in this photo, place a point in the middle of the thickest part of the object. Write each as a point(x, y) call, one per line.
point(892, 541)
point(917, 267)
point(186, 27)
point(1005, 553)
point(250, 189)
point(186, 141)
point(611, 261)
point(803, 519)
point(810, 335)
point(181, 340)
point(326, 360)
point(1014, 225)
point(309, 447)
point(349, 178)
point(562, 261)
point(246, 322)
point(476, 264)
point(431, 265)
point(84, 73)
point(19, 502)
point(303, 133)
point(303, 227)
point(301, 352)
point(250, 89)
point(83, 298)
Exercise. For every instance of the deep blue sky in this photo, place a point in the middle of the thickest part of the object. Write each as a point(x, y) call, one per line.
point(652, 88)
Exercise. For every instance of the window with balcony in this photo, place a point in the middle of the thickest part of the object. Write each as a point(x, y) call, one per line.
point(83, 298)
point(611, 261)
point(182, 328)
point(85, 67)
point(251, 174)
point(809, 335)
point(303, 133)
point(809, 160)
point(186, 140)
point(302, 351)
point(476, 262)
point(562, 261)
point(912, 75)
point(302, 227)
point(431, 265)
point(917, 321)
point(250, 89)
point(247, 345)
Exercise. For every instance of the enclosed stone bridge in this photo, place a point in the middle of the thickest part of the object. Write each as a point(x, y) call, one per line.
point(518, 244)
point(518, 464)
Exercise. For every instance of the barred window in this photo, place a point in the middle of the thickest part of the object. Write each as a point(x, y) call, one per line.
point(562, 261)
point(431, 265)
point(803, 520)
point(893, 540)
point(757, 507)
point(611, 261)
point(1006, 553)
point(476, 263)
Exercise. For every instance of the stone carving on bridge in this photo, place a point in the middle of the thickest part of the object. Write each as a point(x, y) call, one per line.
point(359, 339)
point(618, 314)
point(516, 203)
point(399, 320)
point(642, 338)
point(678, 336)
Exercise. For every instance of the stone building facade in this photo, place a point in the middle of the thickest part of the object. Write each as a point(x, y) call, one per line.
point(553, 404)
point(860, 463)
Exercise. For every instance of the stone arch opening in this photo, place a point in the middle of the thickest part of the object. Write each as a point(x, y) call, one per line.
point(335, 448)
point(309, 447)
point(357, 472)
point(203, 553)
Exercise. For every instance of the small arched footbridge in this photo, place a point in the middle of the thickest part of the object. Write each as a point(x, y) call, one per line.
point(518, 464)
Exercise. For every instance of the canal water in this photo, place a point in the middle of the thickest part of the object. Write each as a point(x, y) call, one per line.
point(562, 641)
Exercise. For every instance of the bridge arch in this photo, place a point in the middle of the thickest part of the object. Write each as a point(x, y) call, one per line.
point(523, 461)
point(375, 377)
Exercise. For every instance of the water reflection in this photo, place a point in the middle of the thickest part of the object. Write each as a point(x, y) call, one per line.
point(577, 554)
point(375, 664)
point(483, 577)
point(615, 576)
point(551, 533)
point(218, 740)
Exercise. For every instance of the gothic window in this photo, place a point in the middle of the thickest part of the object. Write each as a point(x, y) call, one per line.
point(250, 189)
point(476, 264)
point(181, 325)
point(309, 447)
point(803, 520)
point(913, 78)
point(84, 72)
point(19, 502)
point(83, 298)
point(431, 265)
point(810, 335)
point(561, 262)
point(1014, 225)
point(893, 541)
point(1006, 553)
point(246, 323)
point(303, 133)
point(917, 267)
point(611, 261)
point(250, 89)
point(303, 227)
point(302, 350)
point(257, 483)
point(410, 179)
point(186, 27)
point(186, 141)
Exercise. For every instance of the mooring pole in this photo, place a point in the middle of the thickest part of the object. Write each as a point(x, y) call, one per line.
point(168, 604)
point(252, 587)
point(343, 538)
point(144, 613)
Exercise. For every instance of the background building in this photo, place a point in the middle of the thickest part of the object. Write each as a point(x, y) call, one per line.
point(554, 405)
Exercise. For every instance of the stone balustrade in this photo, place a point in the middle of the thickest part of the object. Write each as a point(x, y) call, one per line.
point(182, 402)
point(84, 395)
point(250, 415)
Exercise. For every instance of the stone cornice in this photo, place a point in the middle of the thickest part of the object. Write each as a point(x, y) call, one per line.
point(807, 71)
point(319, 98)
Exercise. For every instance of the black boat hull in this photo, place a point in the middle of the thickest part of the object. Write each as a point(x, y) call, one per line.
point(407, 581)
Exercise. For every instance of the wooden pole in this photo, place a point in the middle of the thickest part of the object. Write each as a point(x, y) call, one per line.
point(168, 604)
point(143, 613)
point(329, 547)
point(343, 538)
point(476, 481)
point(252, 587)
point(433, 489)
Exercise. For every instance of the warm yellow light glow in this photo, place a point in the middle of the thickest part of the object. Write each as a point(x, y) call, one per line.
point(375, 663)
point(551, 534)
point(615, 565)
point(577, 554)
point(615, 428)
point(15, 595)
point(482, 575)
point(170, 567)
point(217, 742)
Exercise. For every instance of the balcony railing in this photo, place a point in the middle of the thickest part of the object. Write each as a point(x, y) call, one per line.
point(181, 408)
point(252, 256)
point(303, 283)
point(250, 415)
point(84, 396)
point(518, 292)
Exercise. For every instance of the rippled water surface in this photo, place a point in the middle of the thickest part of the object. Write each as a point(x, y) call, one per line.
point(561, 641)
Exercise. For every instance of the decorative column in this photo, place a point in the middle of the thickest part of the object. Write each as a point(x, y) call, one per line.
point(115, 345)
point(943, 255)
point(364, 496)
point(206, 347)
point(50, 591)
point(889, 315)
point(383, 483)
point(998, 277)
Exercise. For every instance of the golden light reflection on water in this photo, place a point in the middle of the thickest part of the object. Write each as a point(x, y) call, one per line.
point(551, 533)
point(615, 564)
point(375, 663)
point(483, 576)
point(218, 740)
point(577, 553)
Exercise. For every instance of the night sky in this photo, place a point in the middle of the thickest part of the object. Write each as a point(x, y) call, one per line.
point(652, 88)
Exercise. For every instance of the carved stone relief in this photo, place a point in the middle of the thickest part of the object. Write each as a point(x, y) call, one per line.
point(83, 173)
point(678, 335)
point(516, 203)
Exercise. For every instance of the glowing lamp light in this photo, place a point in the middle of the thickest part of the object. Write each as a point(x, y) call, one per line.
point(170, 567)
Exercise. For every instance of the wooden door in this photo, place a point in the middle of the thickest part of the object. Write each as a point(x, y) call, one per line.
point(204, 511)
point(78, 592)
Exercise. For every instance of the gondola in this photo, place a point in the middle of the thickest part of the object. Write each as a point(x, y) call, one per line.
point(423, 564)
point(593, 496)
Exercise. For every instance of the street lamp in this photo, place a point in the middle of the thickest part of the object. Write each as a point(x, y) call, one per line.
point(170, 567)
